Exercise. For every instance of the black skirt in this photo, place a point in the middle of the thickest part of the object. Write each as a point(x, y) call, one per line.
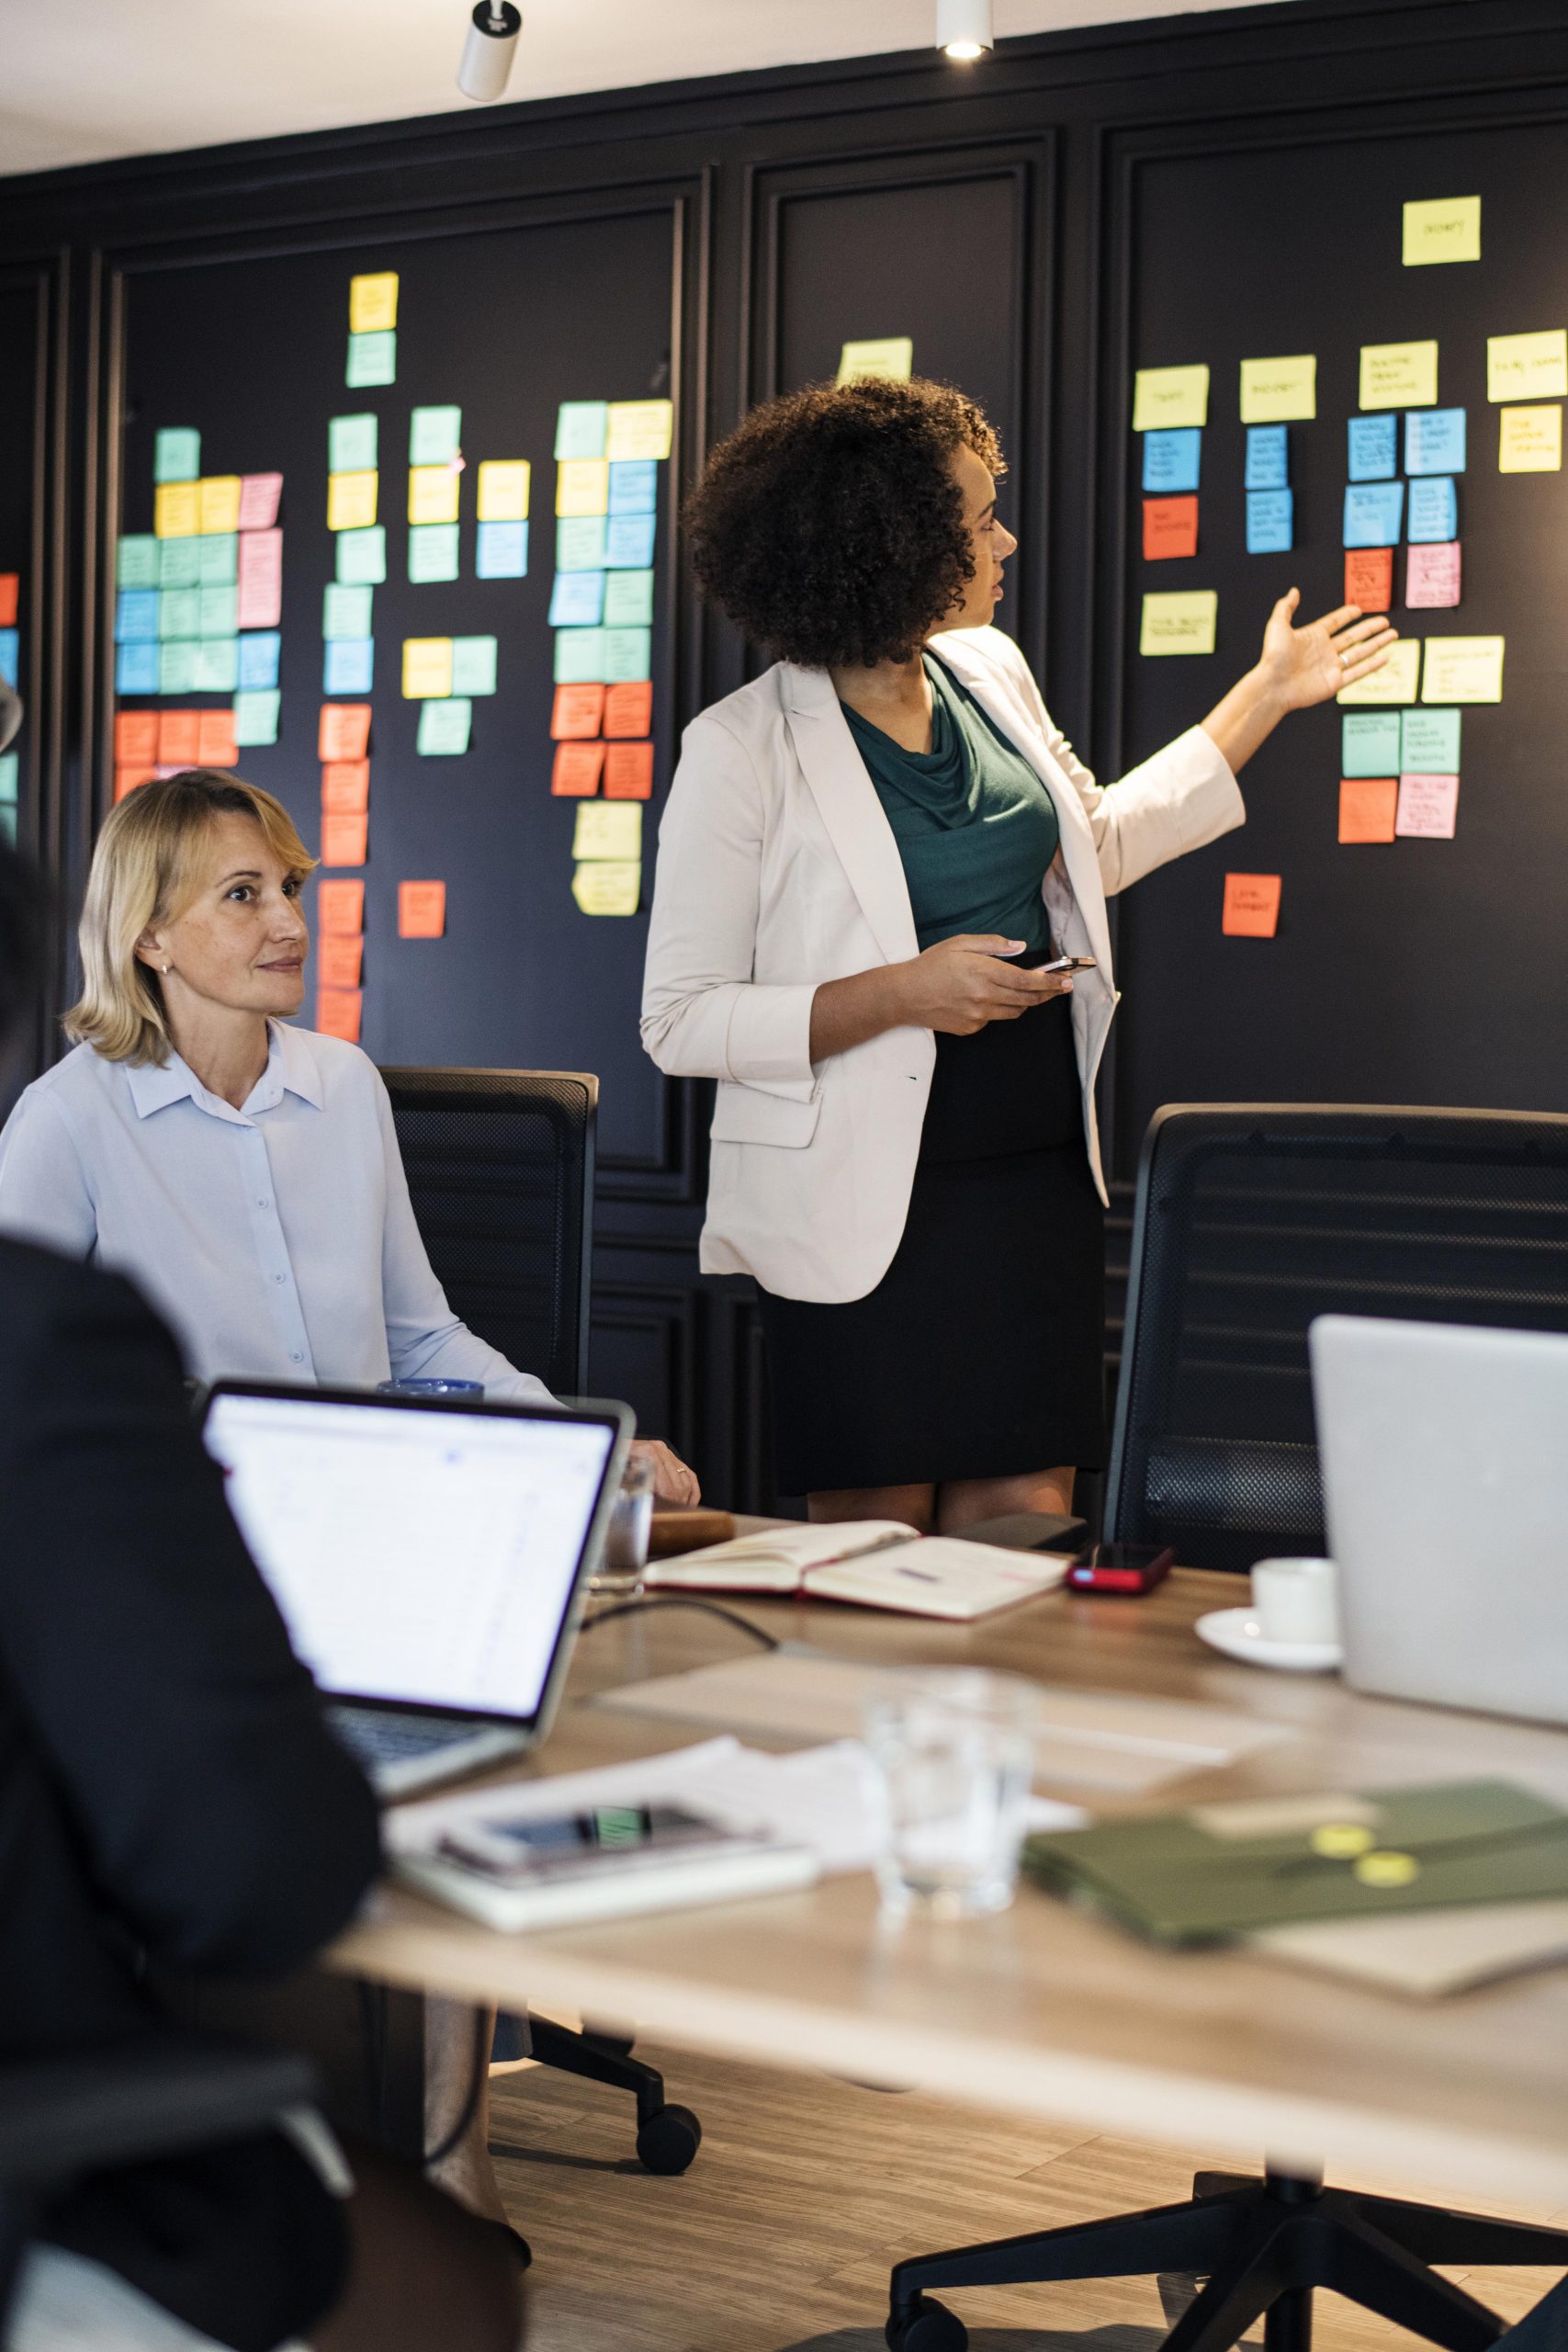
point(981, 1352)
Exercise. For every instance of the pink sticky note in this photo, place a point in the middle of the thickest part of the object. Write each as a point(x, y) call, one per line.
point(261, 579)
point(1432, 574)
point(1427, 804)
point(259, 494)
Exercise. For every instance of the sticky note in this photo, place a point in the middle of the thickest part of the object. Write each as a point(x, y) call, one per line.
point(373, 301)
point(1444, 228)
point(372, 359)
point(1462, 669)
point(1369, 743)
point(432, 493)
point(345, 786)
point(176, 454)
point(215, 744)
point(344, 730)
point(178, 732)
point(1433, 441)
point(259, 656)
point(628, 771)
point(1171, 461)
point(473, 665)
point(628, 542)
point(503, 490)
point(351, 501)
point(604, 830)
point(340, 907)
point(1367, 808)
point(607, 889)
point(435, 437)
point(1428, 743)
point(352, 444)
point(1427, 807)
point(1432, 575)
point(11, 776)
point(179, 562)
point(362, 556)
point(1399, 375)
point(1394, 683)
point(1373, 512)
point(345, 610)
point(432, 551)
point(628, 709)
point(1527, 367)
point(628, 653)
point(176, 510)
point(135, 669)
point(177, 666)
point(1170, 529)
point(634, 486)
point(179, 612)
point(583, 486)
point(255, 715)
point(126, 780)
point(216, 612)
point(136, 564)
point(1179, 623)
point(445, 725)
point(348, 666)
point(1373, 453)
point(583, 428)
point(135, 615)
point(576, 712)
point(427, 669)
point(259, 496)
point(135, 739)
point(1277, 391)
point(217, 670)
point(580, 542)
point(1269, 521)
point(218, 502)
point(628, 599)
point(218, 560)
point(576, 770)
point(577, 600)
point(501, 552)
point(1530, 440)
point(339, 956)
point(1434, 508)
point(639, 429)
point(578, 657)
point(339, 1010)
point(1268, 457)
point(345, 840)
point(893, 357)
point(1169, 396)
point(422, 909)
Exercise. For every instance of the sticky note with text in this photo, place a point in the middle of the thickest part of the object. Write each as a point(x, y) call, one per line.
point(1394, 683)
point(628, 771)
point(1279, 391)
point(428, 667)
point(1251, 907)
point(136, 738)
point(348, 665)
point(422, 909)
point(340, 907)
point(136, 566)
point(1373, 514)
point(362, 556)
point(1269, 521)
point(217, 743)
point(445, 727)
point(435, 437)
point(345, 787)
point(218, 502)
point(176, 454)
point(373, 301)
point(577, 712)
point(432, 493)
point(1183, 621)
point(1170, 529)
point(1433, 441)
point(1172, 461)
point(351, 501)
point(259, 497)
point(342, 731)
point(583, 486)
point(1428, 805)
point(1441, 228)
point(1432, 575)
point(576, 770)
point(1428, 743)
point(628, 709)
point(1462, 669)
point(260, 654)
point(1167, 397)
point(608, 829)
point(1530, 440)
point(176, 510)
point(1367, 808)
point(639, 429)
point(1373, 449)
point(473, 665)
point(500, 552)
point(1267, 457)
point(1399, 375)
point(1527, 367)
point(893, 357)
point(582, 427)
point(503, 490)
point(338, 1013)
point(432, 551)
point(1369, 743)
point(352, 444)
point(339, 957)
point(372, 360)
point(606, 888)
point(346, 839)
point(255, 715)
point(178, 732)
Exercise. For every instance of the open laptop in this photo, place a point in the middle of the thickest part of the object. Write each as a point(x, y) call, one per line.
point(428, 1559)
point(1445, 1474)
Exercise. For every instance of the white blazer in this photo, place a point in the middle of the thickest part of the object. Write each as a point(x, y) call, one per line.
point(778, 871)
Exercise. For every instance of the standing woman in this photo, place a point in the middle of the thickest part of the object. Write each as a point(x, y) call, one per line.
point(866, 855)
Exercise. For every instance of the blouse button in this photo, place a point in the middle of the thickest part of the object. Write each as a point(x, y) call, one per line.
point(280, 1278)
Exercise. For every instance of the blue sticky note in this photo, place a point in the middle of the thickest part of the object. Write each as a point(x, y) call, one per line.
point(628, 542)
point(1374, 449)
point(1171, 458)
point(577, 600)
point(259, 650)
point(135, 615)
point(634, 486)
point(1434, 442)
point(136, 668)
point(348, 665)
point(502, 553)
point(1268, 457)
point(10, 777)
point(1434, 509)
point(10, 655)
point(1372, 514)
point(1269, 520)
point(579, 542)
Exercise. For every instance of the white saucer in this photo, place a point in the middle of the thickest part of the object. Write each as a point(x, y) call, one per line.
point(1238, 1633)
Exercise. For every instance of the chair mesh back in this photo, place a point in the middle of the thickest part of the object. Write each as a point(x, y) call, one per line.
point(1253, 1220)
point(500, 1165)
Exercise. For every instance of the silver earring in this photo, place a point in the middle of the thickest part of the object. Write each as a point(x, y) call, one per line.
point(165, 968)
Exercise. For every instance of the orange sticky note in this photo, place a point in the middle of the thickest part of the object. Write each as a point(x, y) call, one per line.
point(345, 787)
point(1367, 808)
point(10, 588)
point(628, 709)
point(576, 711)
point(345, 840)
point(422, 909)
point(339, 954)
point(178, 733)
point(340, 908)
point(338, 1012)
point(1170, 527)
point(136, 738)
point(576, 771)
point(1252, 906)
point(345, 730)
point(127, 779)
point(215, 744)
point(628, 771)
point(1368, 578)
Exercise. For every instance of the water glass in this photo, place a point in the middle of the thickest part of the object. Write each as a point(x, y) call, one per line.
point(624, 1556)
point(956, 1758)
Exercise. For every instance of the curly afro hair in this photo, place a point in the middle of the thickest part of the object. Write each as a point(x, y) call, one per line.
point(829, 525)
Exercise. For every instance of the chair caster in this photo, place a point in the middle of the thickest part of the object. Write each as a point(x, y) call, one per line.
point(669, 2139)
point(929, 2328)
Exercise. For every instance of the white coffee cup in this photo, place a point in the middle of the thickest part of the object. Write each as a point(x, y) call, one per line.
point(1296, 1600)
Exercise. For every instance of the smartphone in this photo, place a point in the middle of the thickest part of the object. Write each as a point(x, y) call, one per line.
point(570, 1844)
point(1068, 963)
point(1126, 1569)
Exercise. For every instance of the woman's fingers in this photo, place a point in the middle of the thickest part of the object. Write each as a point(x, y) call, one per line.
point(673, 1481)
point(1378, 627)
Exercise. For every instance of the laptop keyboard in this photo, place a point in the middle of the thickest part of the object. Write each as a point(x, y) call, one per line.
point(387, 1738)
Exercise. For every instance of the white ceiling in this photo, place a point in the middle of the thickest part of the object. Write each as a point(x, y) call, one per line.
point(83, 80)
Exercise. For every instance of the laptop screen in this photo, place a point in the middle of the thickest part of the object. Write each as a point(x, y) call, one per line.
point(422, 1556)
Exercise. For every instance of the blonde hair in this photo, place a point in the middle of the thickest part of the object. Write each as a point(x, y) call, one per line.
point(141, 875)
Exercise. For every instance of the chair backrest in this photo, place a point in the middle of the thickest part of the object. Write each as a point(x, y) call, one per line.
point(1254, 1218)
point(499, 1164)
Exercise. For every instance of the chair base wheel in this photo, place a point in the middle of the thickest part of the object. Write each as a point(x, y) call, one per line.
point(669, 2139)
point(929, 2328)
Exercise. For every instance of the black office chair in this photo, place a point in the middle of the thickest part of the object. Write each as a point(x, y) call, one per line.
point(499, 1164)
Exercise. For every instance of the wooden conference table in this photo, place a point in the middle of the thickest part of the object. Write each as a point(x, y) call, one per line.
point(1044, 2010)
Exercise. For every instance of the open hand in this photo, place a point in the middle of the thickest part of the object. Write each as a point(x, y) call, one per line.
point(1312, 663)
point(673, 1482)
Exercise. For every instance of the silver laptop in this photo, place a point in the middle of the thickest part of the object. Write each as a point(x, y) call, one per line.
point(429, 1560)
point(1445, 1474)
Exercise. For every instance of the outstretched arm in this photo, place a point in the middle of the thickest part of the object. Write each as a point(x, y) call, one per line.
point(1297, 668)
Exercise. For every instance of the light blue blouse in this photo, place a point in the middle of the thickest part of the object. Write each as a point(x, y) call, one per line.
point(277, 1241)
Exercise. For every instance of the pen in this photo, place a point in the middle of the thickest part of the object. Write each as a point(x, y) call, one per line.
point(922, 1576)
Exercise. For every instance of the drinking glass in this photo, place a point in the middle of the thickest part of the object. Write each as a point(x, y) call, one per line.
point(955, 1757)
point(624, 1556)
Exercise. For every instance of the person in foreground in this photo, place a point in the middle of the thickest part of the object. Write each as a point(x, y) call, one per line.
point(867, 857)
point(170, 1795)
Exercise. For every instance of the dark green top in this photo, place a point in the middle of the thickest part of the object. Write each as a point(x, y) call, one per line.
point(975, 827)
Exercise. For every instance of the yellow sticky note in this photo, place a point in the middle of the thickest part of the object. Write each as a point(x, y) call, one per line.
point(1527, 367)
point(1279, 391)
point(427, 668)
point(1180, 622)
point(351, 502)
point(432, 493)
point(639, 429)
point(583, 486)
point(608, 829)
point(1166, 396)
point(893, 357)
point(1444, 228)
point(1399, 375)
point(503, 490)
point(1395, 681)
point(373, 302)
point(176, 510)
point(605, 888)
point(218, 499)
point(1530, 440)
point(1463, 668)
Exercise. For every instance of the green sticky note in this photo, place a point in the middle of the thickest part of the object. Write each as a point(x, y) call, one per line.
point(345, 610)
point(177, 666)
point(444, 725)
point(435, 435)
point(255, 715)
point(628, 655)
point(137, 564)
point(351, 445)
point(217, 666)
point(432, 551)
point(1369, 743)
point(218, 560)
point(628, 599)
point(580, 656)
point(583, 428)
point(8, 815)
point(179, 563)
point(473, 665)
point(579, 542)
point(218, 613)
point(10, 776)
point(362, 556)
point(176, 454)
point(179, 612)
point(372, 359)
point(1428, 743)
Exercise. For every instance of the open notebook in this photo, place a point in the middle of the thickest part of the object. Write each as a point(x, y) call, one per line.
point(878, 1562)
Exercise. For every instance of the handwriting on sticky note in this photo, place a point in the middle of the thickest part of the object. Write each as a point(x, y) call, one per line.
point(255, 715)
point(1427, 807)
point(176, 510)
point(1267, 457)
point(1251, 907)
point(582, 427)
point(1366, 806)
point(1368, 578)
point(1369, 743)
point(353, 443)
point(1439, 229)
point(1373, 449)
point(345, 787)
point(1433, 441)
point(893, 357)
point(1399, 375)
point(1373, 514)
point(607, 889)
point(215, 744)
point(218, 502)
point(259, 494)
point(177, 731)
point(503, 490)
point(345, 839)
point(628, 771)
point(639, 429)
point(577, 712)
point(1432, 575)
point(434, 436)
point(1271, 521)
point(1530, 440)
point(1170, 529)
point(1279, 391)
point(576, 770)
point(428, 667)
point(445, 727)
point(1394, 683)
point(344, 730)
point(1179, 622)
point(628, 709)
point(1527, 367)
point(340, 955)
point(351, 501)
point(608, 829)
point(1462, 669)
point(373, 302)
point(1172, 461)
point(372, 359)
point(136, 738)
point(338, 1013)
point(422, 909)
point(1428, 743)
point(432, 493)
point(340, 908)
point(583, 486)
point(176, 454)
point(1169, 396)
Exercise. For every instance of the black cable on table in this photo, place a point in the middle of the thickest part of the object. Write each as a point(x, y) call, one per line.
point(679, 1601)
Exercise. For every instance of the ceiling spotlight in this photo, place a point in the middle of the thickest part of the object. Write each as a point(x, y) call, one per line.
point(964, 28)
point(488, 52)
